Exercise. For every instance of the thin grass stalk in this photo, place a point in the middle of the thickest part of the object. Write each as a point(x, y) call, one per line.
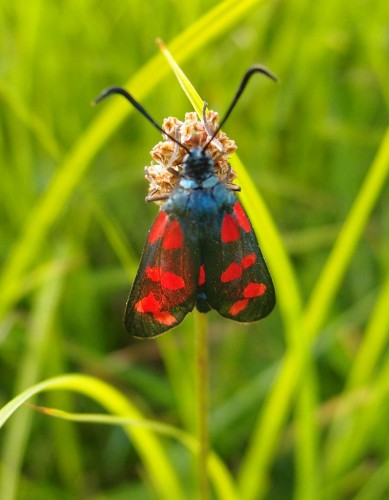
point(202, 401)
point(307, 436)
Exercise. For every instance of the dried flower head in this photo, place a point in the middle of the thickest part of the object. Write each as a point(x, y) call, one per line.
point(168, 157)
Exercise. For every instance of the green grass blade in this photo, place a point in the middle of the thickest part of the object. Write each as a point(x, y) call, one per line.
point(188, 88)
point(307, 436)
point(333, 272)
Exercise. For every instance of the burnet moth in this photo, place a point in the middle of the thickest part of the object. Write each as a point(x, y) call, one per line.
point(201, 250)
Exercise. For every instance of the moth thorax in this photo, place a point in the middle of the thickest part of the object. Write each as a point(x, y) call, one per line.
point(198, 165)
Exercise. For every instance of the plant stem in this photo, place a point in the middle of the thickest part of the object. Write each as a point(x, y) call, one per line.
point(201, 377)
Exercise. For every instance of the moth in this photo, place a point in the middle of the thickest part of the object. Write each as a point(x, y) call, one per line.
point(201, 250)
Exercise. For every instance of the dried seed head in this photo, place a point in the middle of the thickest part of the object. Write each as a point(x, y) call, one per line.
point(168, 157)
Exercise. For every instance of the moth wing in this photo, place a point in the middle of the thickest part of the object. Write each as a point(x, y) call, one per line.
point(164, 289)
point(237, 282)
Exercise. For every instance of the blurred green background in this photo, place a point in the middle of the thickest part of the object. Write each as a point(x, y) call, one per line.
point(73, 222)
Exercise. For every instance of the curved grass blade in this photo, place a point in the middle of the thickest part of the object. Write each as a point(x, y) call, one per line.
point(157, 464)
point(221, 478)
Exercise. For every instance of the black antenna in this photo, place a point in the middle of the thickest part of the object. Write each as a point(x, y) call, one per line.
point(141, 109)
point(246, 77)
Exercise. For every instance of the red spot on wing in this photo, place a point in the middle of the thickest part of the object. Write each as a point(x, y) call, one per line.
point(148, 304)
point(238, 306)
point(232, 272)
point(242, 218)
point(254, 290)
point(173, 237)
point(165, 318)
point(230, 229)
point(172, 281)
point(251, 290)
point(154, 273)
point(202, 275)
point(168, 280)
point(158, 228)
point(249, 260)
